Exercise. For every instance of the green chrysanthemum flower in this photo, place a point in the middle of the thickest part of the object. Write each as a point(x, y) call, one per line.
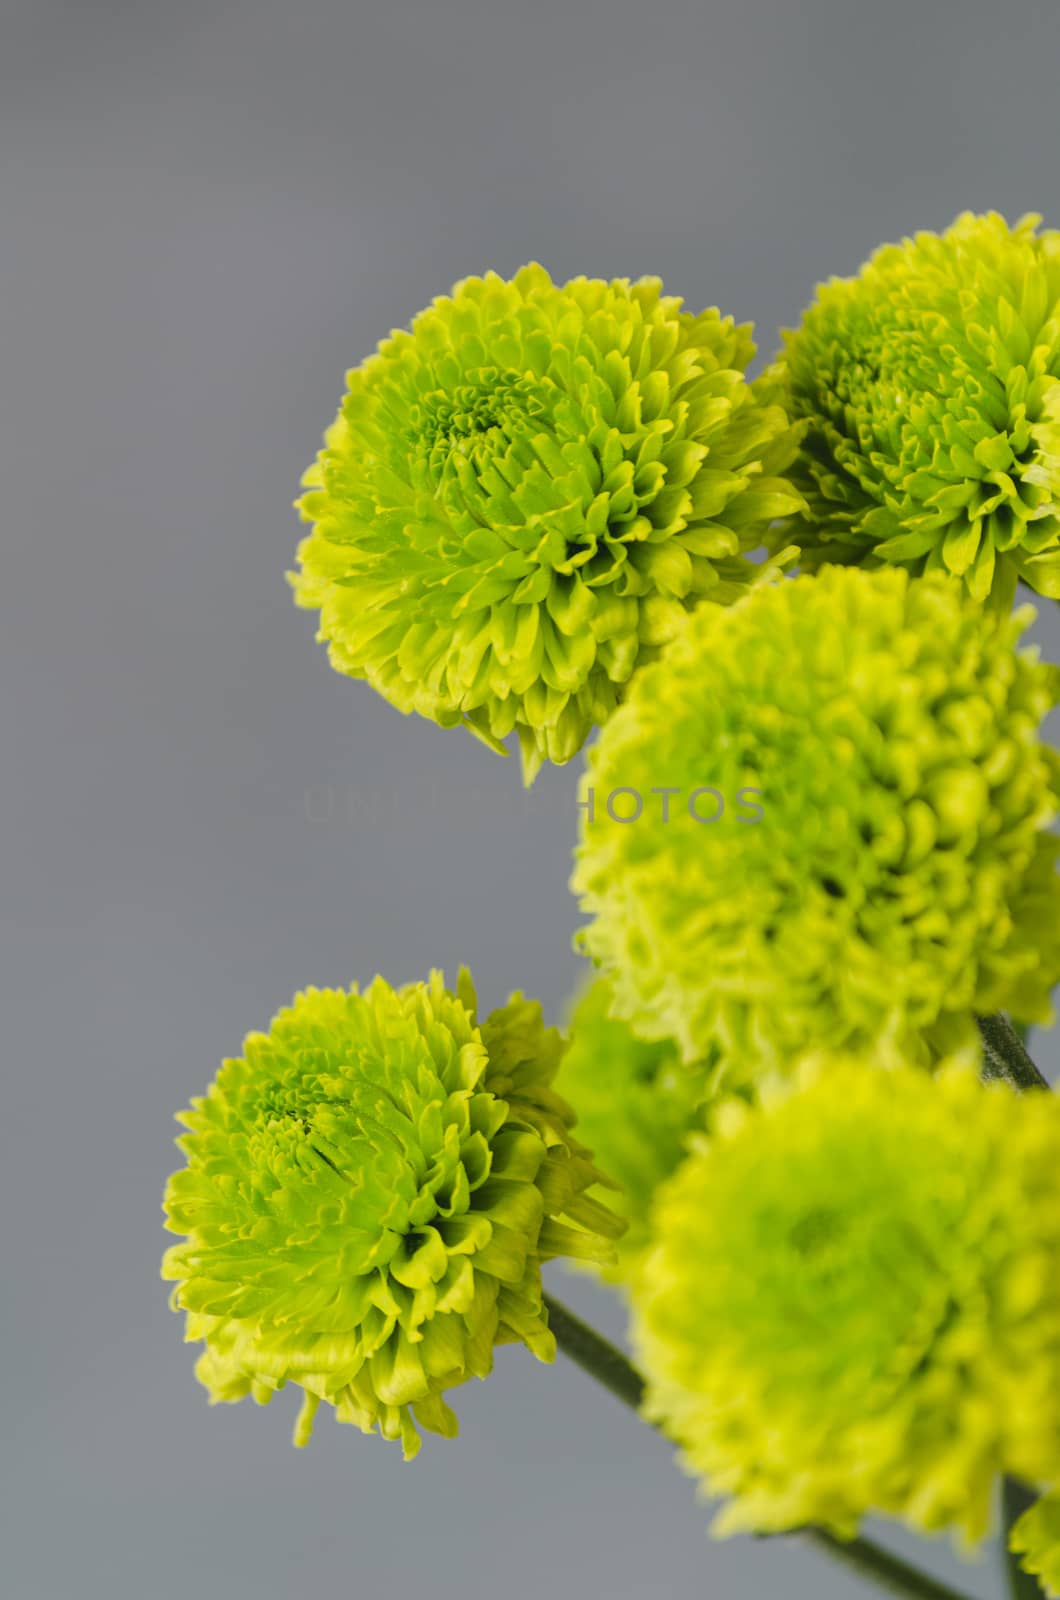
point(853, 1303)
point(900, 877)
point(523, 494)
point(636, 1103)
point(930, 386)
point(369, 1194)
point(1036, 1538)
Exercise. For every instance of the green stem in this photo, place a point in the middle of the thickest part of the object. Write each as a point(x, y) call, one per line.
point(1015, 1499)
point(595, 1355)
point(602, 1361)
point(874, 1562)
point(1005, 1057)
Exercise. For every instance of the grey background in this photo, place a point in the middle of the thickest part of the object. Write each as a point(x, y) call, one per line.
point(207, 213)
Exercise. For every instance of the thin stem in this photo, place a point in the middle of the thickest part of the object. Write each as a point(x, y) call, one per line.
point(1005, 1057)
point(594, 1354)
point(1015, 1499)
point(873, 1561)
point(610, 1367)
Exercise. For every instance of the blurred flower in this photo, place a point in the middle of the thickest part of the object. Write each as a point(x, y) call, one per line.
point(369, 1194)
point(901, 877)
point(930, 386)
point(1036, 1537)
point(522, 495)
point(636, 1104)
point(853, 1303)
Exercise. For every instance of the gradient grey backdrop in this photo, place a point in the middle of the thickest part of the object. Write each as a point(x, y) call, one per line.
point(208, 212)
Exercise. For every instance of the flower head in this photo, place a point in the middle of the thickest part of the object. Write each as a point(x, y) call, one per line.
point(1036, 1537)
point(930, 388)
point(370, 1191)
point(522, 495)
point(853, 1303)
point(900, 877)
point(636, 1102)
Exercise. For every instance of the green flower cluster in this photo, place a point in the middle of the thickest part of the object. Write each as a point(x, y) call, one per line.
point(637, 1103)
point(369, 1193)
point(522, 496)
point(535, 514)
point(853, 1301)
point(901, 878)
point(929, 389)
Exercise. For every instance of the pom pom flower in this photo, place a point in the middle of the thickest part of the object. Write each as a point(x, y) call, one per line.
point(930, 389)
point(636, 1103)
point(369, 1194)
point(900, 877)
point(1036, 1538)
point(853, 1303)
point(521, 496)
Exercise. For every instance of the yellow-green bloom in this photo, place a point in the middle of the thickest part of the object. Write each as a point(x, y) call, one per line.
point(853, 1304)
point(1036, 1537)
point(522, 495)
point(930, 388)
point(900, 876)
point(636, 1103)
point(370, 1191)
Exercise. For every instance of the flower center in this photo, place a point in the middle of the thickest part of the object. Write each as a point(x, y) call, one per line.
point(298, 1104)
point(475, 420)
point(816, 1232)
